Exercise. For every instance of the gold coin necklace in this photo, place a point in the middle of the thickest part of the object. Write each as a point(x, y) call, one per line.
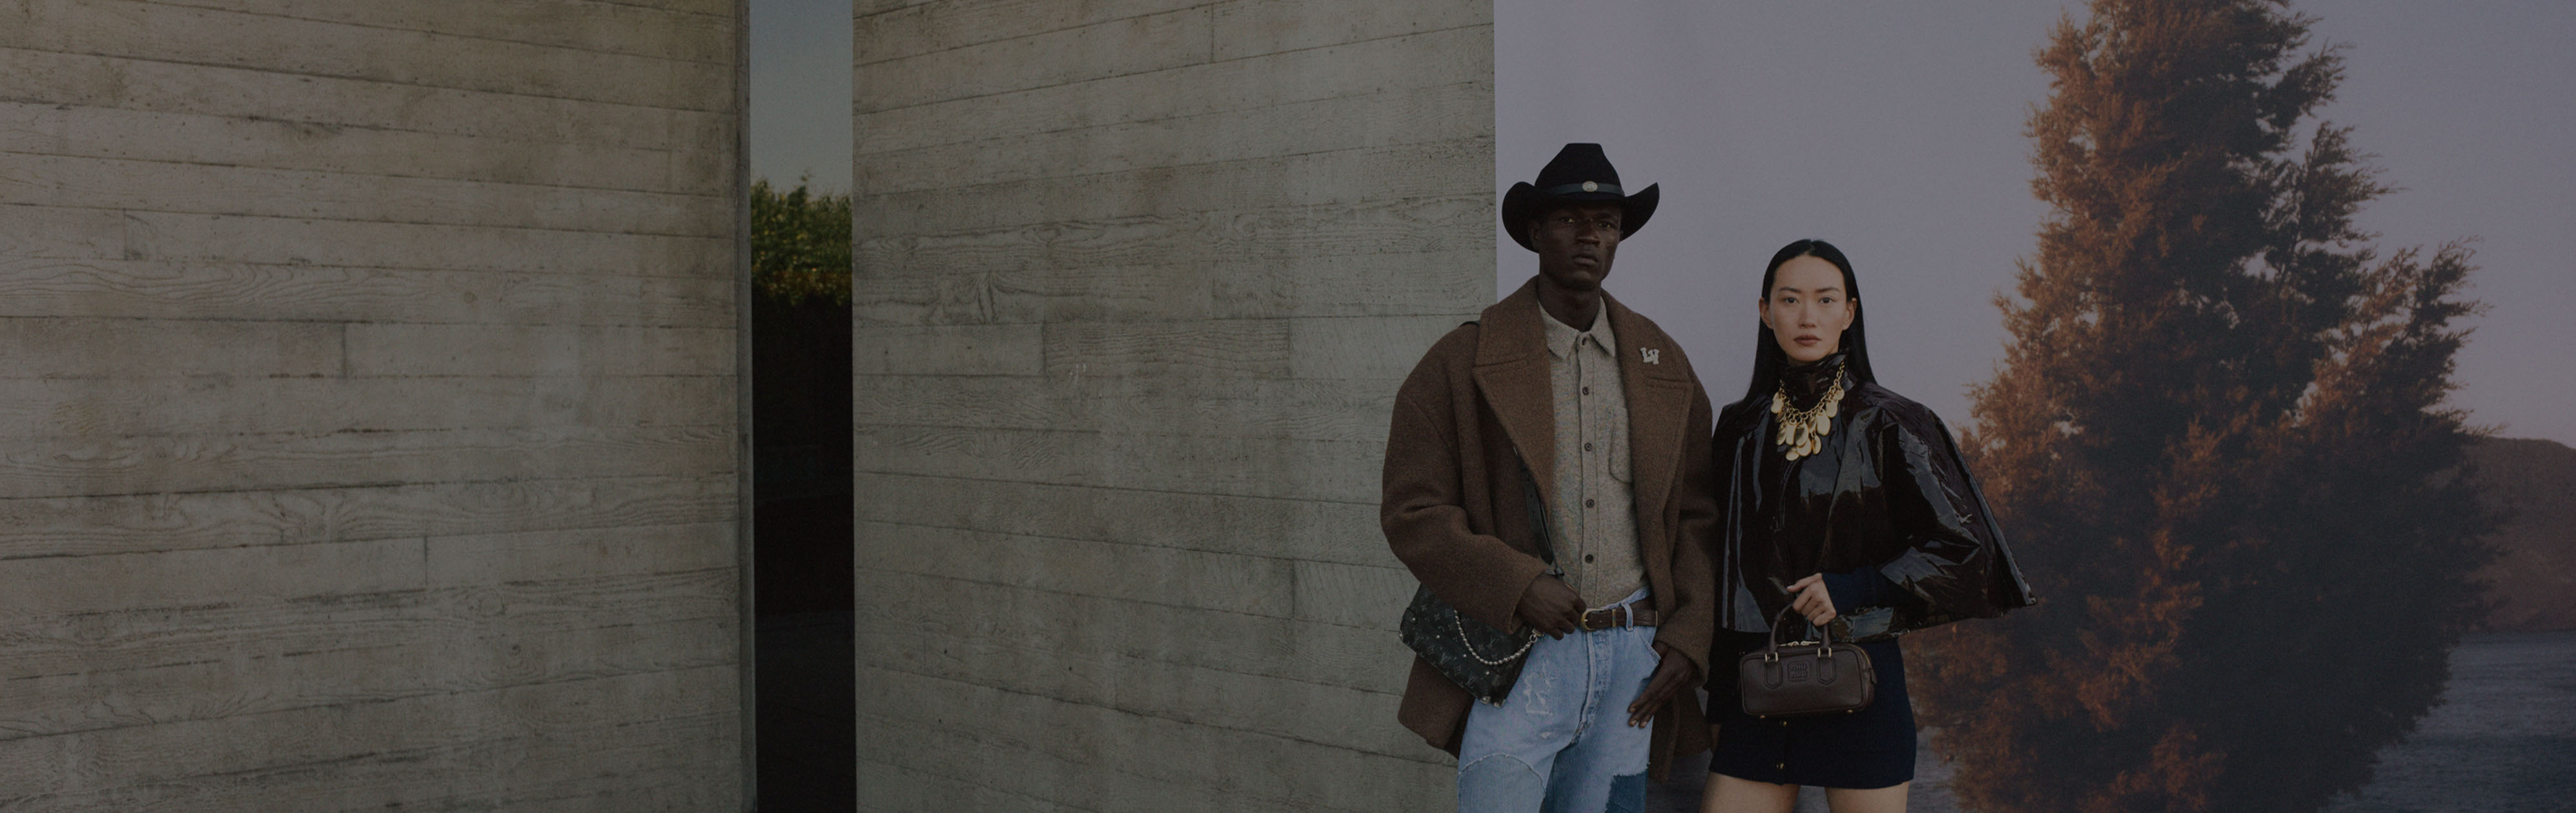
point(1802, 431)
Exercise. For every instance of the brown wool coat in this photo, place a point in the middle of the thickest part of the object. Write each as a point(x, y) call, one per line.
point(1477, 407)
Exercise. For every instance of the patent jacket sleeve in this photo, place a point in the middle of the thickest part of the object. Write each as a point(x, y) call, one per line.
point(1951, 549)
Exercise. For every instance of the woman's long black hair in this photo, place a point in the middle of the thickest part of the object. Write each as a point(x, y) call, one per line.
point(1768, 359)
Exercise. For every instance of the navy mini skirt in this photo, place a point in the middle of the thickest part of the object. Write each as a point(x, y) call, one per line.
point(1869, 748)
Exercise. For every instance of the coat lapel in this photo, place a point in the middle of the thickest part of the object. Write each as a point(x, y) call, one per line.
point(1512, 372)
point(1658, 385)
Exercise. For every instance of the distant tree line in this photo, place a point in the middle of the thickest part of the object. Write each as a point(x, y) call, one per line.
point(800, 244)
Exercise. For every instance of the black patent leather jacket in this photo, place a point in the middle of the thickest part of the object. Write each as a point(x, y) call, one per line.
point(1887, 491)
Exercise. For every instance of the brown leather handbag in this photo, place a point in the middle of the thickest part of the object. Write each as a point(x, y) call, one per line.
point(1804, 678)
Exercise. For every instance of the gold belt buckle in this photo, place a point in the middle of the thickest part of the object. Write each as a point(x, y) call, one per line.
point(1609, 618)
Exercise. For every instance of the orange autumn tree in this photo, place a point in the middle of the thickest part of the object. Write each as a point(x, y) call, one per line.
point(2219, 440)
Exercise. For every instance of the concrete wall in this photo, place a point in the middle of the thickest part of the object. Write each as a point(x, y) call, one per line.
point(1136, 283)
point(367, 405)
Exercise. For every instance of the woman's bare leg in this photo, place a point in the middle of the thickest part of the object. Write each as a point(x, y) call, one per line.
point(1727, 794)
point(1873, 800)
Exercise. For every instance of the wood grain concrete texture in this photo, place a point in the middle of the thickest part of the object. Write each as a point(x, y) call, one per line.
point(367, 400)
point(1137, 280)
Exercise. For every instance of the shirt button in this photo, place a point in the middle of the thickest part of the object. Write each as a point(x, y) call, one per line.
point(1587, 447)
point(1587, 503)
point(1587, 557)
point(1587, 390)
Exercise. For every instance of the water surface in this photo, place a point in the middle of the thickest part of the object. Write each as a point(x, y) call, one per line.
point(2502, 740)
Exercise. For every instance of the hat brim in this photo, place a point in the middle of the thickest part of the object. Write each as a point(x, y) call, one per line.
point(1524, 202)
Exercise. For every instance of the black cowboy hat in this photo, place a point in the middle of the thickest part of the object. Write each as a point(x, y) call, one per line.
point(1578, 174)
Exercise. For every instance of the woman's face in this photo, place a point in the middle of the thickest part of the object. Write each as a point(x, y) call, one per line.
point(1807, 309)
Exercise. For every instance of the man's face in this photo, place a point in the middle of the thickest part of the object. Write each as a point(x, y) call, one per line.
point(1575, 243)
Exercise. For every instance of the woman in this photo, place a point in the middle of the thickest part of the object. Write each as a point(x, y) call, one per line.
point(1846, 504)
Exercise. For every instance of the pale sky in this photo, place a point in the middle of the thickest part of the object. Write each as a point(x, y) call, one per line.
point(800, 92)
point(1893, 129)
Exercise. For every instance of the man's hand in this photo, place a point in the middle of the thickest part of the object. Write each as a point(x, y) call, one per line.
point(1673, 675)
point(1809, 598)
point(1551, 607)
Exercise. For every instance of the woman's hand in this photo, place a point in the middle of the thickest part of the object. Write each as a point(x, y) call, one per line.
point(1808, 597)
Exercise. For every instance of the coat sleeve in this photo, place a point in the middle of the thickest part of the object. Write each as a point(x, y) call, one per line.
point(1422, 506)
point(1949, 551)
point(1695, 535)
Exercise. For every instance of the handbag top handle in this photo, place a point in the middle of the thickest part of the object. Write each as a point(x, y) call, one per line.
point(1771, 642)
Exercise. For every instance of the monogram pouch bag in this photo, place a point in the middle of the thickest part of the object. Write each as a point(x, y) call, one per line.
point(1480, 659)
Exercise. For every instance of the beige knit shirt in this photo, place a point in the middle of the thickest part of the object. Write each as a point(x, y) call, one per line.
point(1592, 518)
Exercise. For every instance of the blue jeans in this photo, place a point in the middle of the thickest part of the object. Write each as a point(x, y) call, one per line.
point(1560, 742)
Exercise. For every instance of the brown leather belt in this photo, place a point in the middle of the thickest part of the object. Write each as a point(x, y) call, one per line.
point(1624, 615)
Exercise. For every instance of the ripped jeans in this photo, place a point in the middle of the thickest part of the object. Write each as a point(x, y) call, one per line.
point(1560, 742)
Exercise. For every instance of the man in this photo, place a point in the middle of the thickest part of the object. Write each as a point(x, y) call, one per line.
point(1562, 385)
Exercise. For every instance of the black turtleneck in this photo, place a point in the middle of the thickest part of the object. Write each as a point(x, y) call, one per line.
point(1806, 383)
